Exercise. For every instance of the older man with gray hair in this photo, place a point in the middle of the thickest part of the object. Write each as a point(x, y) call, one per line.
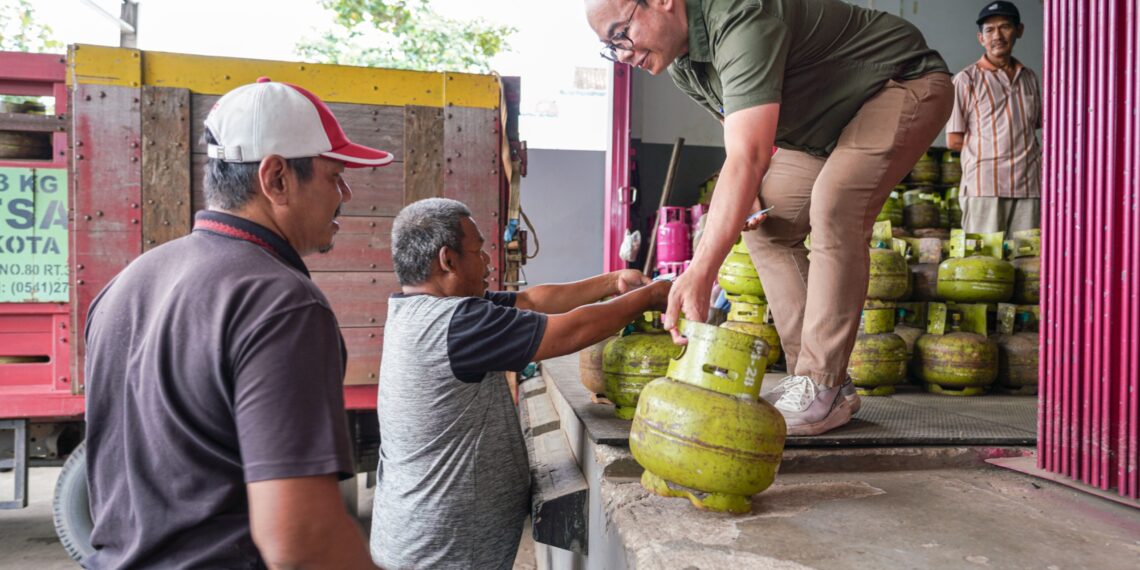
point(453, 480)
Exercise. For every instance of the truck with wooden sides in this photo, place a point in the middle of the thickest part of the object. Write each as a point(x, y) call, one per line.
point(117, 170)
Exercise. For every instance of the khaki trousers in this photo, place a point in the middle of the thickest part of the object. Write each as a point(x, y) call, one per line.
point(837, 198)
point(985, 214)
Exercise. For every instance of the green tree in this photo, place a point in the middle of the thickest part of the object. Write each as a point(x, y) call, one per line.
point(404, 34)
point(19, 30)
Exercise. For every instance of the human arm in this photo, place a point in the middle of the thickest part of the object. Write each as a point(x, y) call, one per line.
point(954, 141)
point(574, 330)
point(752, 83)
point(301, 522)
point(563, 297)
point(958, 123)
point(293, 435)
point(1037, 109)
point(748, 138)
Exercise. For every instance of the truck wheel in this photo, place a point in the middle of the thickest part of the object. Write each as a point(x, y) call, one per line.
point(70, 507)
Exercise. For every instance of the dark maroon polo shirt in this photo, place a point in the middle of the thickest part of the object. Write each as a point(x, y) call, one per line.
point(212, 361)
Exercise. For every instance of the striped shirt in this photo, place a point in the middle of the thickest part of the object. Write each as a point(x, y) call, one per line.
point(999, 116)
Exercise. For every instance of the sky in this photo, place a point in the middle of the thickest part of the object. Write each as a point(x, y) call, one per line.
point(552, 40)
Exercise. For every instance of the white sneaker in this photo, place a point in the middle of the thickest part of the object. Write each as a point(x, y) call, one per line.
point(848, 389)
point(778, 390)
point(810, 409)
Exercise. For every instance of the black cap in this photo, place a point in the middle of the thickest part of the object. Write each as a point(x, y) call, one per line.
point(999, 8)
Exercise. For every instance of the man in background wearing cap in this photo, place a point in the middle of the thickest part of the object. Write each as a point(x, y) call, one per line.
point(216, 430)
point(997, 112)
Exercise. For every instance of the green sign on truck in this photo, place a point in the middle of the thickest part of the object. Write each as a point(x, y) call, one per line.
point(33, 235)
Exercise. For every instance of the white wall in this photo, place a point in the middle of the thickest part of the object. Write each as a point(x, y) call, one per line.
point(563, 194)
point(949, 28)
point(661, 113)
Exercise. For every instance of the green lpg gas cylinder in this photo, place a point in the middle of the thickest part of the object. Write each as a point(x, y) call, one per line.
point(706, 189)
point(1017, 342)
point(751, 318)
point(889, 279)
point(738, 276)
point(954, 206)
point(975, 279)
point(590, 360)
point(926, 170)
point(878, 360)
point(892, 209)
point(1027, 280)
point(1017, 362)
point(1026, 262)
point(631, 362)
point(975, 272)
point(951, 167)
point(703, 433)
point(957, 363)
point(920, 209)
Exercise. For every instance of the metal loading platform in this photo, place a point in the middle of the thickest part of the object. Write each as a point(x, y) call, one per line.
point(913, 475)
point(910, 417)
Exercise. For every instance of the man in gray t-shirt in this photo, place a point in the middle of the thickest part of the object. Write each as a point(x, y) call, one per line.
point(454, 481)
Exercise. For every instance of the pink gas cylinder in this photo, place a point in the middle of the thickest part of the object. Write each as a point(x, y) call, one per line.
point(674, 240)
point(674, 268)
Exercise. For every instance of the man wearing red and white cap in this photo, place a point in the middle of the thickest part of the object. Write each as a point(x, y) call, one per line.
point(216, 431)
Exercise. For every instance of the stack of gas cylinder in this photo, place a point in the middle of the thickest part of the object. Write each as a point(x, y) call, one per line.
point(968, 315)
point(879, 357)
point(926, 204)
point(964, 308)
point(749, 308)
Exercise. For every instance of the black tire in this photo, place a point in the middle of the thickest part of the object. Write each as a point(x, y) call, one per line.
point(70, 507)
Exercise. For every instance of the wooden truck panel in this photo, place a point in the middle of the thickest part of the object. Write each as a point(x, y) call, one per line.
point(131, 137)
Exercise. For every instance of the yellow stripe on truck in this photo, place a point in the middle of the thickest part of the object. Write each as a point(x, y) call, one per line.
point(333, 83)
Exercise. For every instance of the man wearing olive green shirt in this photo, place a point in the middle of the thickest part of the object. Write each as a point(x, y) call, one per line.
point(852, 97)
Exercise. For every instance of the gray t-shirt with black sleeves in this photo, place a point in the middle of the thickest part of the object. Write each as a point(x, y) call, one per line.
point(453, 485)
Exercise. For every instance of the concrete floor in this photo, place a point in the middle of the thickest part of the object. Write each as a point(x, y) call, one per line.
point(939, 518)
point(27, 536)
point(28, 540)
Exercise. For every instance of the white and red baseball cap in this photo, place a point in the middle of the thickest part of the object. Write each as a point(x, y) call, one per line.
point(267, 117)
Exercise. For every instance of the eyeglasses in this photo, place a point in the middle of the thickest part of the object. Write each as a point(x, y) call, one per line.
point(620, 41)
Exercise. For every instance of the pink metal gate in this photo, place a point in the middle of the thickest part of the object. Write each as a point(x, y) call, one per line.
point(1090, 370)
point(618, 192)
